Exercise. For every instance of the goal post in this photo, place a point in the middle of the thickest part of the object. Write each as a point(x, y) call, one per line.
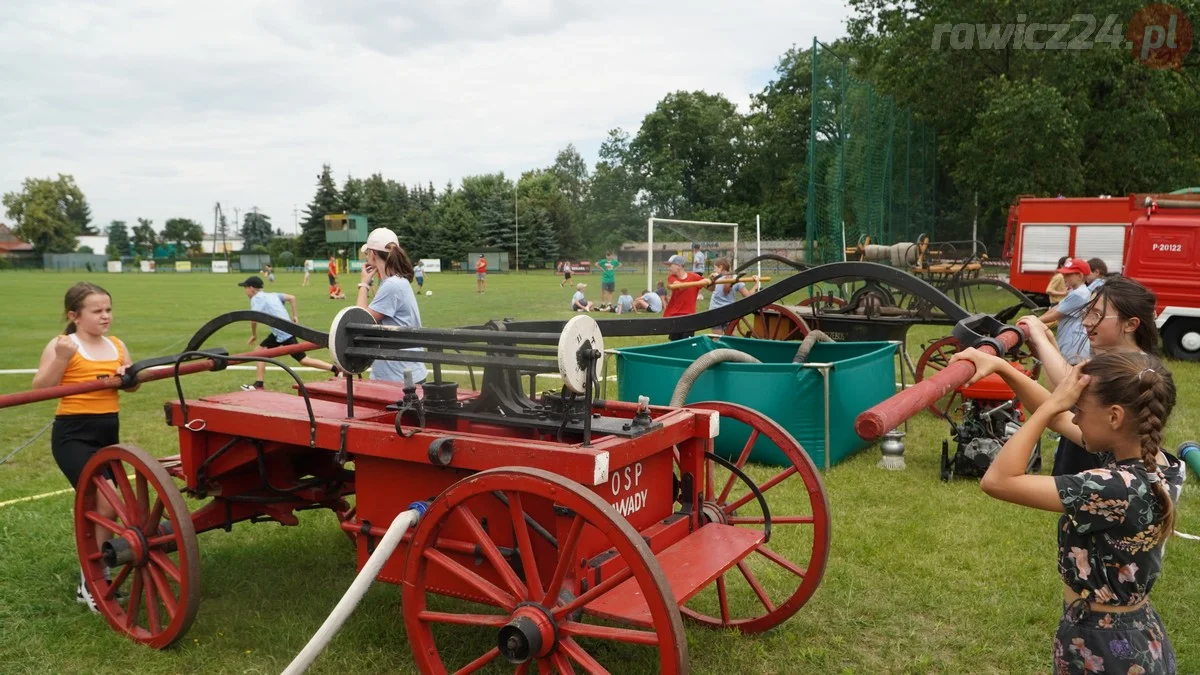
point(650, 252)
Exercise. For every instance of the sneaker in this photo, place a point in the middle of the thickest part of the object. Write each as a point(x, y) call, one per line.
point(83, 597)
point(250, 387)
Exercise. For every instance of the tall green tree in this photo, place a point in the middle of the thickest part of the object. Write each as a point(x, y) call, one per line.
point(144, 237)
point(350, 199)
point(46, 212)
point(256, 230)
point(80, 213)
point(325, 201)
point(612, 213)
point(118, 239)
point(496, 224)
point(689, 152)
point(185, 233)
point(1136, 124)
point(457, 229)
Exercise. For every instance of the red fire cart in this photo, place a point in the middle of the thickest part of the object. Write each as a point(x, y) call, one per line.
point(579, 531)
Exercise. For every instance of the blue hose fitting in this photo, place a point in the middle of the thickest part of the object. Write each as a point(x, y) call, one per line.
point(420, 508)
point(1189, 452)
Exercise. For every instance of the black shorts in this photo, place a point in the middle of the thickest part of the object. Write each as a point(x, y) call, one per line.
point(608, 287)
point(75, 438)
point(567, 275)
point(332, 280)
point(271, 343)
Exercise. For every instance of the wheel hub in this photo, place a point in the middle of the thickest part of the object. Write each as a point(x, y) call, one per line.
point(1190, 341)
point(128, 548)
point(712, 512)
point(531, 633)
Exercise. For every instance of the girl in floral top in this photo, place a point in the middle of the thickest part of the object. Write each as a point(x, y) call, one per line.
point(1115, 519)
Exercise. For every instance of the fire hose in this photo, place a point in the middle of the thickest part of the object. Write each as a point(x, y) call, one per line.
point(872, 424)
point(147, 370)
point(333, 623)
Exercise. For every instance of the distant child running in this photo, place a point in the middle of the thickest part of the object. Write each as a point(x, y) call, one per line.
point(608, 278)
point(272, 303)
point(566, 271)
point(481, 274)
point(270, 273)
point(683, 300)
point(394, 303)
point(419, 273)
point(579, 303)
point(308, 268)
point(624, 302)
point(85, 423)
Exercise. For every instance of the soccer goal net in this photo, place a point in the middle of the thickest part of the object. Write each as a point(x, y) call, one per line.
point(668, 236)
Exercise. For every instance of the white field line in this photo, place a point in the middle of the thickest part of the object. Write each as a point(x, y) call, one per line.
point(29, 499)
point(45, 494)
point(301, 369)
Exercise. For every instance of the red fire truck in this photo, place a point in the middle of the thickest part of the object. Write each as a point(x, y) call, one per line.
point(1149, 238)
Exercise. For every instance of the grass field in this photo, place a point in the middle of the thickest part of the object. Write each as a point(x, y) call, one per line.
point(923, 577)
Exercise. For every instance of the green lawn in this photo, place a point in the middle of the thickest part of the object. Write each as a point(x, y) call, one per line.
point(923, 576)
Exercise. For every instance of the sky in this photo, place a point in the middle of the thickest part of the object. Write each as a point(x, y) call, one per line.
point(162, 109)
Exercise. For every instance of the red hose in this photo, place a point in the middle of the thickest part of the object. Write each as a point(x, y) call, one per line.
point(889, 414)
point(159, 373)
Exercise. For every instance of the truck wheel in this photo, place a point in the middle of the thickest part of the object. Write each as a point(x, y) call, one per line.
point(1181, 339)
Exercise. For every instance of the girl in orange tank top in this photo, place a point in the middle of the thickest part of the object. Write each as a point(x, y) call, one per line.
point(84, 423)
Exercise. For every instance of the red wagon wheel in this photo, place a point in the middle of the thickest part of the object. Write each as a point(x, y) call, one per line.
point(792, 563)
point(773, 322)
point(152, 554)
point(818, 300)
point(937, 356)
point(534, 617)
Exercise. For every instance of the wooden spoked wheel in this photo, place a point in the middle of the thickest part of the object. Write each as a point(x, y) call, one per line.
point(532, 521)
point(780, 575)
point(934, 359)
point(937, 356)
point(772, 322)
point(820, 300)
point(149, 546)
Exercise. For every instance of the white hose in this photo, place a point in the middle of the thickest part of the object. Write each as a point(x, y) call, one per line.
point(345, 606)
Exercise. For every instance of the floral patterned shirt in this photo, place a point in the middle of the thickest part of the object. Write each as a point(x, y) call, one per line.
point(1105, 535)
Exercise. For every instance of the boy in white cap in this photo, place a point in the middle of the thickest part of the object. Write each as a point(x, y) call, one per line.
point(578, 302)
point(272, 303)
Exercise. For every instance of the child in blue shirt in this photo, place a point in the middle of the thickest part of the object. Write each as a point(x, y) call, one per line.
point(272, 303)
point(624, 302)
point(649, 301)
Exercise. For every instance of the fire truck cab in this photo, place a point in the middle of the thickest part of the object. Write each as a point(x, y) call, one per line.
point(1162, 255)
point(1148, 238)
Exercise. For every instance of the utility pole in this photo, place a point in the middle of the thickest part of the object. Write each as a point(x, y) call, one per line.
point(296, 219)
point(517, 221)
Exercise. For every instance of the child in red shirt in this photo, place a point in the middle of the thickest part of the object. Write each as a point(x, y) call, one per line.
point(683, 300)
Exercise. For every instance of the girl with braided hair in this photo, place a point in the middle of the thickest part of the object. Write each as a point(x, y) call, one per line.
point(1119, 318)
point(1115, 519)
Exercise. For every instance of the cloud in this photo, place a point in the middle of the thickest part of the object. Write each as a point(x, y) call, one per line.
point(160, 110)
